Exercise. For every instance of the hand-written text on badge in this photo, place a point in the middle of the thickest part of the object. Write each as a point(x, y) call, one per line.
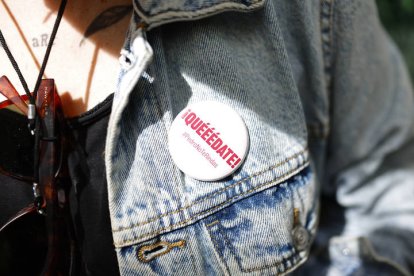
point(208, 134)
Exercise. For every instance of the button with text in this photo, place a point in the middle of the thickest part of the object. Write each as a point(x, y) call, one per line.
point(208, 141)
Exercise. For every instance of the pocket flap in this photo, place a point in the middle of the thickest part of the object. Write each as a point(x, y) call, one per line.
point(155, 12)
point(153, 212)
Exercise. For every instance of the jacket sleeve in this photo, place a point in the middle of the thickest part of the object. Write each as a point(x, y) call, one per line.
point(370, 159)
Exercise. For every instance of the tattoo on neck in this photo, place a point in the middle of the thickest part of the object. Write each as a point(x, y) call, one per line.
point(40, 41)
point(106, 19)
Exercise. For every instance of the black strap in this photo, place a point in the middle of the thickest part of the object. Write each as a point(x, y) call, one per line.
point(15, 65)
point(32, 99)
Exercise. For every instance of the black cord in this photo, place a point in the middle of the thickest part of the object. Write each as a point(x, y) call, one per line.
point(32, 99)
point(15, 66)
point(34, 123)
point(49, 46)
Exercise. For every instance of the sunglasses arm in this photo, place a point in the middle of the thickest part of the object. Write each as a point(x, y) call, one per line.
point(54, 184)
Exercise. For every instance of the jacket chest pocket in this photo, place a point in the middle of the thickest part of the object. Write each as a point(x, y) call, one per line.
point(269, 232)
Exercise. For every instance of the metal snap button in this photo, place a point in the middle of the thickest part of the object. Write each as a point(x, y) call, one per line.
point(300, 238)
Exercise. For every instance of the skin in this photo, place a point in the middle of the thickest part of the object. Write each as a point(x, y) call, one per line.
point(85, 70)
point(81, 13)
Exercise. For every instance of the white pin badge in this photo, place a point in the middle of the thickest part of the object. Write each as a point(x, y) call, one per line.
point(208, 141)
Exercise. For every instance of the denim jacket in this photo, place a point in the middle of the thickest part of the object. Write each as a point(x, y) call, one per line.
point(329, 109)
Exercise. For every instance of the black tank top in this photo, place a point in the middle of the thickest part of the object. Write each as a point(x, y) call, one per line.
point(88, 197)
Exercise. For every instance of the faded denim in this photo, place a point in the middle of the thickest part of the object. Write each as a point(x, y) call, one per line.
point(329, 110)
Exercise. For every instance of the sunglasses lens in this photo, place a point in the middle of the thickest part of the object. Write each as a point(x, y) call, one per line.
point(23, 245)
point(16, 142)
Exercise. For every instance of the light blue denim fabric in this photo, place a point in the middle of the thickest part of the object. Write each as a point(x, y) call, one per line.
point(329, 110)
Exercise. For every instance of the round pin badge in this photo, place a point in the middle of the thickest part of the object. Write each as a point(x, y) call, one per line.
point(208, 141)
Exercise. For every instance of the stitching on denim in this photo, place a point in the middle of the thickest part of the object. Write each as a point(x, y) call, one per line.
point(216, 247)
point(230, 247)
point(381, 259)
point(281, 265)
point(200, 200)
point(326, 7)
point(199, 13)
point(212, 223)
point(160, 231)
point(198, 9)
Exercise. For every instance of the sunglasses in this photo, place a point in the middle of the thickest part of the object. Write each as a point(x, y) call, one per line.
point(38, 240)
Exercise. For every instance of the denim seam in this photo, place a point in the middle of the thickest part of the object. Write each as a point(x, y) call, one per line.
point(212, 223)
point(160, 231)
point(216, 246)
point(229, 245)
point(175, 15)
point(282, 268)
point(202, 199)
point(377, 257)
point(326, 22)
point(197, 9)
point(294, 257)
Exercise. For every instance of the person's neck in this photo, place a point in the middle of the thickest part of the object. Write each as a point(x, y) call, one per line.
point(84, 56)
